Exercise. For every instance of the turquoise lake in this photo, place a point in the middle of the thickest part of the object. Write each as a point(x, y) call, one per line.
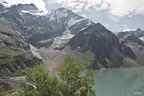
point(119, 82)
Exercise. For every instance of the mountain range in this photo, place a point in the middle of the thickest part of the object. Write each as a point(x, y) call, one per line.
point(29, 37)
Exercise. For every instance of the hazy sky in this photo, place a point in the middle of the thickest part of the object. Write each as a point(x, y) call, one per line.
point(116, 15)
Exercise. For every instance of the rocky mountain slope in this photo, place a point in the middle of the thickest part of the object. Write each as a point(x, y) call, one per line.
point(45, 31)
point(41, 29)
point(133, 39)
point(15, 53)
point(61, 32)
point(99, 46)
point(95, 45)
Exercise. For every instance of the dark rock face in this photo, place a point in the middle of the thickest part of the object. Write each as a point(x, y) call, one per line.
point(126, 51)
point(102, 43)
point(129, 37)
point(132, 38)
point(13, 13)
point(95, 36)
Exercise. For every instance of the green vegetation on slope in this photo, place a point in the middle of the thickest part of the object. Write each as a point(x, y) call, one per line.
point(7, 56)
point(13, 61)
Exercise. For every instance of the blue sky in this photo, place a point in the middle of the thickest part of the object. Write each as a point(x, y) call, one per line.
point(116, 15)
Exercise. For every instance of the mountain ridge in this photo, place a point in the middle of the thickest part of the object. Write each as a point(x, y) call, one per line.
point(63, 32)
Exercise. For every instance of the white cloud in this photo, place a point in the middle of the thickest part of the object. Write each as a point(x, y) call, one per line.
point(126, 7)
point(39, 3)
point(118, 8)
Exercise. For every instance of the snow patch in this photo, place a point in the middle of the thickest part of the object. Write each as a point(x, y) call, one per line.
point(52, 18)
point(86, 32)
point(5, 4)
point(34, 13)
point(45, 41)
point(89, 22)
point(61, 40)
point(142, 38)
point(35, 52)
point(73, 21)
point(129, 29)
